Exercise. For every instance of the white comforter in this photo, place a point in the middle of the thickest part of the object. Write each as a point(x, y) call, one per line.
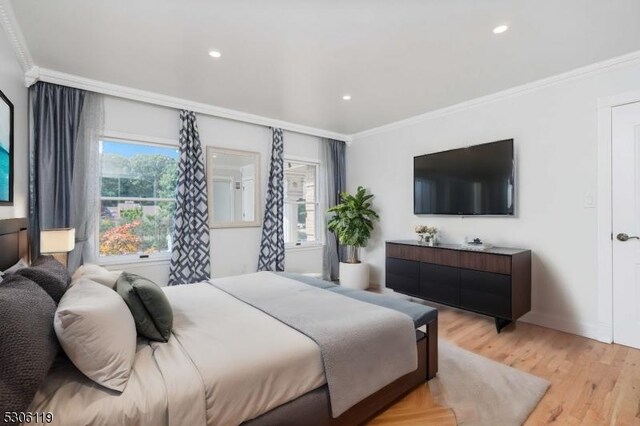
point(226, 363)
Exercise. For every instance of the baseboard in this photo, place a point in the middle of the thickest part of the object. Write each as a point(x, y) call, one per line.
point(605, 333)
point(585, 329)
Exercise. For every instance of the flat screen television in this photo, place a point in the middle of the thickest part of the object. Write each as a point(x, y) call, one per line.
point(477, 180)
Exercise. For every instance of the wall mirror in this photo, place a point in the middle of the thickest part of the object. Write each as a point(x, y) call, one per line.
point(233, 180)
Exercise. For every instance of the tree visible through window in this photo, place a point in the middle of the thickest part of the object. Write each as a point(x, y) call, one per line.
point(138, 185)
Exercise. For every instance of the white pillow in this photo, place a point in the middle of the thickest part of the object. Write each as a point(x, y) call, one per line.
point(98, 274)
point(97, 331)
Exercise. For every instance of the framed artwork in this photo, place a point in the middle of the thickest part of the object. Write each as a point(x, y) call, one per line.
point(6, 151)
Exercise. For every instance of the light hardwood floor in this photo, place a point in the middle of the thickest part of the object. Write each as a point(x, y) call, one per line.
point(592, 383)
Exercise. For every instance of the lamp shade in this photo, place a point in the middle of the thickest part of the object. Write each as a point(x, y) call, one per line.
point(57, 240)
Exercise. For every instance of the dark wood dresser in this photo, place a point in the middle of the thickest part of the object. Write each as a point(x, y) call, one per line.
point(494, 282)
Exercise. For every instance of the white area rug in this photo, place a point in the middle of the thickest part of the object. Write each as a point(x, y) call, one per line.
point(484, 392)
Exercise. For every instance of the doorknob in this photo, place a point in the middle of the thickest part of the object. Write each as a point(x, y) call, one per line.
point(624, 237)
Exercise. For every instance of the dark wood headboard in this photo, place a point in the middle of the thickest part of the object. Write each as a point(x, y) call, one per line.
point(14, 244)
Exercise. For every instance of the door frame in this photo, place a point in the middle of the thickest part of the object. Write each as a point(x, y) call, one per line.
point(605, 210)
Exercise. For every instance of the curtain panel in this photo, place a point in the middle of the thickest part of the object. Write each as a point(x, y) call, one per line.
point(85, 189)
point(333, 158)
point(271, 256)
point(63, 144)
point(190, 254)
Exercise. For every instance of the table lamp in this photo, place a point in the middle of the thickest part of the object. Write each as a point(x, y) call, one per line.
point(58, 243)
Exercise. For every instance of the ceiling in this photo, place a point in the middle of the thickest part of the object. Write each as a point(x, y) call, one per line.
point(293, 60)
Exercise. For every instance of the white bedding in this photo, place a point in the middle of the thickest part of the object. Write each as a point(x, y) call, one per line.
point(226, 363)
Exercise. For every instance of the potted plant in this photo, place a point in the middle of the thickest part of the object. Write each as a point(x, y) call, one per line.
point(352, 223)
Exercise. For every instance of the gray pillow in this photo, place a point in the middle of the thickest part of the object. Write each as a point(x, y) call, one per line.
point(28, 343)
point(19, 265)
point(148, 304)
point(49, 274)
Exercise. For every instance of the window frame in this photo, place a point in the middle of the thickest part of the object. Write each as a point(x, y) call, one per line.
point(319, 223)
point(131, 139)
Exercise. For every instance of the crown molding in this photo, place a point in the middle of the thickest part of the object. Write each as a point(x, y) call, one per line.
point(36, 74)
point(576, 74)
point(14, 33)
point(31, 76)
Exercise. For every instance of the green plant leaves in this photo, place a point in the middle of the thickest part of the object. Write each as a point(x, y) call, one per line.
point(353, 218)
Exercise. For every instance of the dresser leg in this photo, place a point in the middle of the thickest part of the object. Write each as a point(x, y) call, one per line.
point(501, 323)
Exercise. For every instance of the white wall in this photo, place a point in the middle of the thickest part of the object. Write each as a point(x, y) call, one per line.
point(555, 132)
point(12, 85)
point(233, 251)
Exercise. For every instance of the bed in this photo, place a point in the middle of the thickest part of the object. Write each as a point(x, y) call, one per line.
point(239, 354)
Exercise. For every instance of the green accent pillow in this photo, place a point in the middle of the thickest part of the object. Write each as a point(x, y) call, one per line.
point(148, 304)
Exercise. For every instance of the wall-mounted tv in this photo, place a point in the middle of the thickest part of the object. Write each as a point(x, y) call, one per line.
point(477, 180)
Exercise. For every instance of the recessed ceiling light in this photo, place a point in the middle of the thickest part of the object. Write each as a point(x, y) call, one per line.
point(214, 54)
point(500, 29)
point(346, 97)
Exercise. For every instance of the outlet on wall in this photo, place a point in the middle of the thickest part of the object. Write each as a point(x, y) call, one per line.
point(589, 200)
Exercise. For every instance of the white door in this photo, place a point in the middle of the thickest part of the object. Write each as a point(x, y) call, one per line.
point(626, 224)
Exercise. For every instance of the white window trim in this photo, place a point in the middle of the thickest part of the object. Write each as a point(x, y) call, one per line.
point(319, 225)
point(164, 200)
point(314, 245)
point(134, 259)
point(140, 139)
point(134, 139)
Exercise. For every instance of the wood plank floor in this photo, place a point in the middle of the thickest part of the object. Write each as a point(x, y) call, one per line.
point(592, 383)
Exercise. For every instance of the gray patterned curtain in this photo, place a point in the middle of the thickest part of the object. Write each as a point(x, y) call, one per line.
point(190, 254)
point(333, 158)
point(271, 256)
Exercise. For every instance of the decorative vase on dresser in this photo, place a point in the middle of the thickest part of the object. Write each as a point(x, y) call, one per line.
point(494, 282)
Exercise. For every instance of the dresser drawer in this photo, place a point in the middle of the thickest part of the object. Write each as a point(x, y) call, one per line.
point(400, 251)
point(440, 283)
point(486, 292)
point(440, 256)
point(486, 262)
point(403, 275)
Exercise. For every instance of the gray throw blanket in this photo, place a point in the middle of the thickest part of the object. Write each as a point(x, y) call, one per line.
point(364, 347)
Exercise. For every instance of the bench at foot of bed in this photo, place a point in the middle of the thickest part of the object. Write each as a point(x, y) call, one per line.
point(315, 405)
point(385, 397)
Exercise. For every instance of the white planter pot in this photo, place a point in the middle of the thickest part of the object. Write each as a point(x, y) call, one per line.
point(354, 275)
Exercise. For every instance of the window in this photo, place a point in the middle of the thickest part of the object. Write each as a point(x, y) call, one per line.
point(301, 208)
point(138, 185)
